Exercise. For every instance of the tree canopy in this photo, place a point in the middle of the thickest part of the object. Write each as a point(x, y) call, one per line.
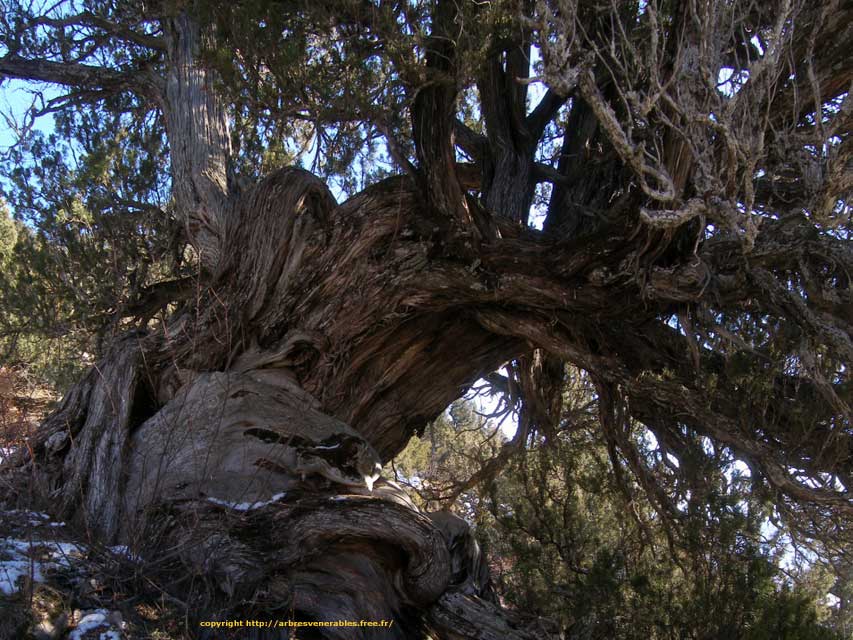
point(383, 202)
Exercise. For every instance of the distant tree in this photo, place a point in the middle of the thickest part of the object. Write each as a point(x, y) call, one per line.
point(692, 163)
point(35, 308)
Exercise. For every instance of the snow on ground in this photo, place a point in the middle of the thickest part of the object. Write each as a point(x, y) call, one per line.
point(96, 624)
point(32, 550)
point(30, 555)
point(125, 552)
point(32, 558)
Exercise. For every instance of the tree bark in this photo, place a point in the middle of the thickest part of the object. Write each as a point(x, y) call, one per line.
point(316, 344)
point(335, 333)
point(199, 140)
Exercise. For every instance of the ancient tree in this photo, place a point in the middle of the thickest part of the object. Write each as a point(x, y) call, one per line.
point(691, 159)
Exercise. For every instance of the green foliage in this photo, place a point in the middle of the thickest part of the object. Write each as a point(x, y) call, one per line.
point(36, 309)
point(568, 546)
point(287, 80)
point(8, 235)
point(91, 230)
point(454, 445)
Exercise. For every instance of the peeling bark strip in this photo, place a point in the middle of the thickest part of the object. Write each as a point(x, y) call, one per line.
point(85, 440)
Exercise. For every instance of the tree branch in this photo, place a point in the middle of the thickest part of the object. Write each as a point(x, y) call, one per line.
point(86, 77)
point(544, 112)
point(89, 19)
point(433, 117)
point(471, 142)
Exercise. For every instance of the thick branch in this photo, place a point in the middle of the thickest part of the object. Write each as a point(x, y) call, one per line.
point(544, 113)
point(83, 77)
point(433, 117)
point(471, 142)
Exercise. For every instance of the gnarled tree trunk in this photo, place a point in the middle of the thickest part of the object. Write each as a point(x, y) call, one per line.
point(248, 433)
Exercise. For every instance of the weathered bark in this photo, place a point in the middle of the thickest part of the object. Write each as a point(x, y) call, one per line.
point(339, 331)
point(308, 355)
point(581, 203)
point(508, 162)
point(506, 155)
point(433, 114)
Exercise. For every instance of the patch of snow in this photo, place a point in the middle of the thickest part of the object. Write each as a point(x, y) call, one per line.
point(26, 512)
point(33, 518)
point(17, 561)
point(125, 552)
point(64, 551)
point(246, 506)
point(11, 571)
point(90, 622)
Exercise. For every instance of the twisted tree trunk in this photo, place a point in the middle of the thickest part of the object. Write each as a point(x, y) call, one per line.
point(247, 433)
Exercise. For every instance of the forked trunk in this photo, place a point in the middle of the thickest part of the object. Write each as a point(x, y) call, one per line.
point(246, 432)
